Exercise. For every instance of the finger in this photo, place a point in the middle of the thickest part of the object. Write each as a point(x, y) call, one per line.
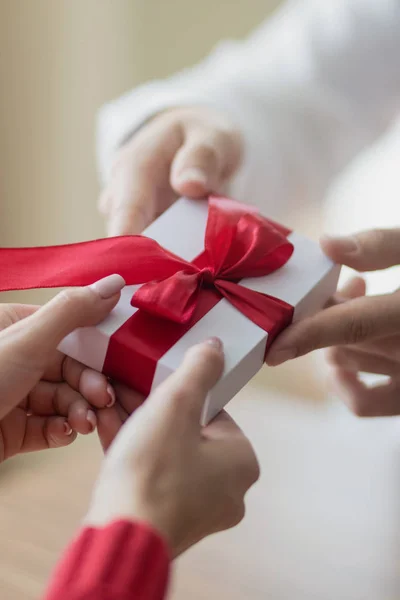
point(75, 307)
point(357, 361)
point(46, 432)
point(135, 205)
point(90, 384)
point(128, 399)
point(366, 251)
point(181, 397)
point(379, 401)
point(139, 189)
point(356, 321)
point(205, 161)
point(388, 347)
point(354, 288)
point(27, 346)
point(110, 420)
point(51, 399)
point(20, 433)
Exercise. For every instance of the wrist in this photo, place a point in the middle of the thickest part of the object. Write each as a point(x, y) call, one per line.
point(116, 499)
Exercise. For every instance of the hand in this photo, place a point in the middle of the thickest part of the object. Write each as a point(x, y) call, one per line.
point(46, 396)
point(111, 418)
point(363, 333)
point(182, 152)
point(162, 468)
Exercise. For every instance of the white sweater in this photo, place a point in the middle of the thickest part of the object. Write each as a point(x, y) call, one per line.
point(314, 86)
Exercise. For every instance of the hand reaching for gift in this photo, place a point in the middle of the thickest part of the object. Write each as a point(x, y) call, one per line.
point(46, 397)
point(163, 469)
point(182, 152)
point(363, 333)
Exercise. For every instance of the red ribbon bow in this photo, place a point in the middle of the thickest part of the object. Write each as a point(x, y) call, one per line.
point(175, 294)
point(239, 243)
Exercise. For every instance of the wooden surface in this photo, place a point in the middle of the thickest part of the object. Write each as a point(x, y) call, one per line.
point(321, 524)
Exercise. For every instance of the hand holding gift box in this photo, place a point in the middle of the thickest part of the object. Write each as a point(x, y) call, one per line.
point(202, 269)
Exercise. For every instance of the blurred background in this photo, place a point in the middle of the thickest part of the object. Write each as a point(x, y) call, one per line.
point(323, 522)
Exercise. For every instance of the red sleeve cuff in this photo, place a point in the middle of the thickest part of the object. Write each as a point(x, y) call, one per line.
point(122, 561)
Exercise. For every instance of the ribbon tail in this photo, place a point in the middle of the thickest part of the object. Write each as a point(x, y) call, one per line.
point(138, 259)
point(270, 314)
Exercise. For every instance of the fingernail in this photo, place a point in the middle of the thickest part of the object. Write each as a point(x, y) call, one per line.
point(281, 356)
point(347, 245)
point(111, 393)
point(91, 419)
point(215, 343)
point(109, 286)
point(192, 175)
point(67, 428)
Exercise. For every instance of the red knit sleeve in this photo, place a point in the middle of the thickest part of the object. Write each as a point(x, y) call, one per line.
point(122, 561)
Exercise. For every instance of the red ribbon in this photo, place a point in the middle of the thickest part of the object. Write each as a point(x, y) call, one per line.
point(175, 294)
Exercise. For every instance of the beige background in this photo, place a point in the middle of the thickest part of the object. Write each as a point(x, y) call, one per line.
point(59, 61)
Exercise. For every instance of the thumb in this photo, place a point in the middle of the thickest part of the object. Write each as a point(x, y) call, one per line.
point(174, 409)
point(205, 162)
point(181, 397)
point(26, 346)
point(70, 309)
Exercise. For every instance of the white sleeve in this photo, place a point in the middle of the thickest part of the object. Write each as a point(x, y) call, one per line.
point(311, 88)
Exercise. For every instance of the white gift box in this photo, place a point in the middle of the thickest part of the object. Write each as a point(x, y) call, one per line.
point(306, 282)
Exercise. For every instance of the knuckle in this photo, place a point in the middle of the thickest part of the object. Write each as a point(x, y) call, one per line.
point(76, 301)
point(173, 117)
point(233, 514)
point(238, 513)
point(73, 297)
point(207, 152)
point(67, 297)
point(251, 469)
point(358, 330)
point(255, 471)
